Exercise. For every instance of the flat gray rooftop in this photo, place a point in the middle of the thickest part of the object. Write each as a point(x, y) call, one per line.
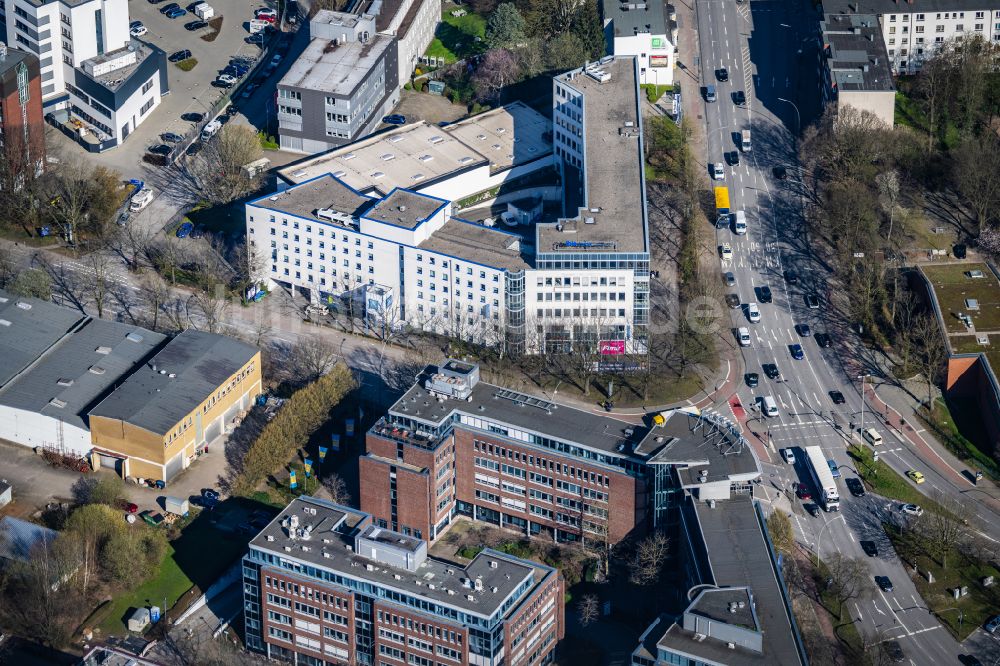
point(614, 167)
point(329, 68)
point(479, 244)
point(404, 209)
point(630, 17)
point(858, 58)
point(69, 378)
point(893, 7)
point(435, 580)
point(715, 605)
point(417, 155)
point(188, 370)
point(738, 556)
point(323, 192)
point(29, 326)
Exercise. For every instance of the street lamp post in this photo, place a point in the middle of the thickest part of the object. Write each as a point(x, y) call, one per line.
point(798, 118)
point(862, 378)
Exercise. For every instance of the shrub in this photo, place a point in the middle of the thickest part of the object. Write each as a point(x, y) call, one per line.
point(302, 415)
point(407, 86)
point(187, 65)
point(469, 552)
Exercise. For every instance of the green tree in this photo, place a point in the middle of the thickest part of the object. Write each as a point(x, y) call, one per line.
point(90, 527)
point(106, 489)
point(779, 526)
point(34, 283)
point(587, 26)
point(565, 51)
point(505, 27)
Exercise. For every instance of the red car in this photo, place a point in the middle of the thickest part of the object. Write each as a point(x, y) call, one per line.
point(127, 507)
point(802, 492)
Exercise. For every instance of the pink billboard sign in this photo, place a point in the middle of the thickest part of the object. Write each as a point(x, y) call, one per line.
point(612, 347)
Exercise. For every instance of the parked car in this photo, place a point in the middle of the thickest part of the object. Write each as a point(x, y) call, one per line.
point(884, 583)
point(161, 149)
point(171, 137)
point(169, 8)
point(812, 302)
point(729, 279)
point(195, 25)
point(264, 11)
point(177, 56)
point(126, 506)
point(870, 548)
point(764, 294)
point(138, 31)
point(855, 485)
point(752, 379)
point(184, 230)
point(917, 477)
point(210, 129)
point(193, 117)
point(226, 80)
point(837, 397)
point(394, 119)
point(803, 330)
point(176, 13)
point(275, 60)
point(992, 625)
point(796, 351)
point(134, 24)
point(912, 509)
point(824, 340)
point(248, 91)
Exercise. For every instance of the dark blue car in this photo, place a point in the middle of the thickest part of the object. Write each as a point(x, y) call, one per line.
point(184, 229)
point(394, 119)
point(797, 352)
point(176, 13)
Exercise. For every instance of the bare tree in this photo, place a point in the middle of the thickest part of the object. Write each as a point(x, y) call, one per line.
point(888, 187)
point(945, 529)
point(933, 353)
point(650, 553)
point(977, 175)
point(313, 356)
point(213, 305)
point(153, 293)
point(849, 578)
point(337, 488)
point(588, 609)
point(8, 267)
point(218, 170)
point(497, 69)
point(99, 280)
point(989, 240)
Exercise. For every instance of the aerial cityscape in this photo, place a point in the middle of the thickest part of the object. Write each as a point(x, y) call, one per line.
point(499, 332)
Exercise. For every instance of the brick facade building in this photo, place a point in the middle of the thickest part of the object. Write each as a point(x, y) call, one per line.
point(324, 585)
point(22, 128)
point(455, 445)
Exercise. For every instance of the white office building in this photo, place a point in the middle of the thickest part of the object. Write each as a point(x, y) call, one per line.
point(91, 69)
point(646, 29)
point(912, 30)
point(376, 224)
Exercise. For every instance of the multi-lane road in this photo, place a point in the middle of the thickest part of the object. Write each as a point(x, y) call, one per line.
point(764, 47)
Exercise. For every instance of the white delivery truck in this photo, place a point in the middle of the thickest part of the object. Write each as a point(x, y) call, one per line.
point(740, 222)
point(204, 11)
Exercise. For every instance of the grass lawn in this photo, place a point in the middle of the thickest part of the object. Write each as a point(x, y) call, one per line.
point(952, 287)
point(976, 607)
point(882, 480)
point(843, 625)
point(958, 423)
point(655, 92)
point(455, 37)
point(196, 558)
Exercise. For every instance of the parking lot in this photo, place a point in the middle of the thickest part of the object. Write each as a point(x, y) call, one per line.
point(192, 91)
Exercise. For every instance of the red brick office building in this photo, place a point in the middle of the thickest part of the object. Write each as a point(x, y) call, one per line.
point(455, 445)
point(22, 128)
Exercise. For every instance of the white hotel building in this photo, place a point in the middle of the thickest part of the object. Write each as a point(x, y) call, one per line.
point(90, 66)
point(376, 224)
point(913, 29)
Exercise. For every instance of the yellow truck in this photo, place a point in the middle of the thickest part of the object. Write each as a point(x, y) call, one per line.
point(722, 206)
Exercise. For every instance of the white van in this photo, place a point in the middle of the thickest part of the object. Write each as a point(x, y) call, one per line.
point(769, 406)
point(743, 333)
point(788, 455)
point(745, 141)
point(210, 130)
point(871, 436)
point(140, 200)
point(740, 222)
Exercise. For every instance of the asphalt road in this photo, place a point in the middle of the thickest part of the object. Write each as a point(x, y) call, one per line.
point(764, 48)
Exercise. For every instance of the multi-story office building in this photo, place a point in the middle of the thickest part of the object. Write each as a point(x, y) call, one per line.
point(412, 23)
point(340, 86)
point(534, 284)
point(855, 67)
point(22, 129)
point(646, 29)
point(323, 584)
point(90, 67)
point(739, 612)
point(456, 445)
point(912, 30)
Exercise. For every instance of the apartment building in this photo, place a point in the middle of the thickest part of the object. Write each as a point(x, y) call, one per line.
point(913, 29)
point(22, 129)
point(455, 445)
point(647, 30)
point(581, 277)
point(91, 70)
point(856, 70)
point(170, 409)
point(340, 86)
point(412, 23)
point(323, 584)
